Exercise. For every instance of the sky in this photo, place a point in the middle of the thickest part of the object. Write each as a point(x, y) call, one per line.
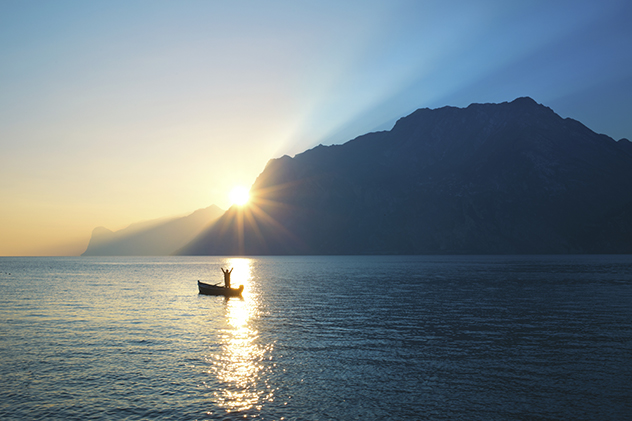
point(114, 112)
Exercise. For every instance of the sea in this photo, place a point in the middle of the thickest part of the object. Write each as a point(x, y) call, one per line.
point(317, 338)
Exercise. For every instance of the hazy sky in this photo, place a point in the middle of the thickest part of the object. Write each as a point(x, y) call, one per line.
point(113, 112)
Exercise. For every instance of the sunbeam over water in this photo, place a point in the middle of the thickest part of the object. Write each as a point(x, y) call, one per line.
point(238, 365)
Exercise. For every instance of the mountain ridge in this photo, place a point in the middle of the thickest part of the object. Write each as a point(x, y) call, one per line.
point(506, 178)
point(158, 237)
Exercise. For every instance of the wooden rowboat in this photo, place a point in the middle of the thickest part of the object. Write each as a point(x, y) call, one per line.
point(209, 289)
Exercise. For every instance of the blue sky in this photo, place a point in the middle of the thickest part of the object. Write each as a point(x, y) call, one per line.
point(113, 112)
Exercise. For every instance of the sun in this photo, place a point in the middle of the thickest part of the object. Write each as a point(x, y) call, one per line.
point(239, 196)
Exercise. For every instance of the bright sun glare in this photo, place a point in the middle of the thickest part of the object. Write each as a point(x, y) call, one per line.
point(239, 196)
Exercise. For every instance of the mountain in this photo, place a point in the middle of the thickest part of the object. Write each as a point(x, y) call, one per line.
point(626, 145)
point(509, 178)
point(153, 238)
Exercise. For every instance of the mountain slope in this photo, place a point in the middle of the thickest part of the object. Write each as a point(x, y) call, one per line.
point(154, 238)
point(490, 178)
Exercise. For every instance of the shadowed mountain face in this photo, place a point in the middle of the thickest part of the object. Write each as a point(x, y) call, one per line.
point(154, 238)
point(487, 179)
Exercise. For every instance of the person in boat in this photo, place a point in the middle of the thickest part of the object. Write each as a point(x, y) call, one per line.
point(227, 276)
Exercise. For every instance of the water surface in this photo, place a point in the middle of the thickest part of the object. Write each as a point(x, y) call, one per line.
point(314, 338)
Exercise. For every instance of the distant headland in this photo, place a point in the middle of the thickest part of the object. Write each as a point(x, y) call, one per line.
point(161, 237)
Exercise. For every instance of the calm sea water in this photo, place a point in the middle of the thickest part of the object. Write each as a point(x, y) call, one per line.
point(317, 338)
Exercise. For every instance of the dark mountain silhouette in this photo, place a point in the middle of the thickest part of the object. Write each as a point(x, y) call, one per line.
point(626, 145)
point(153, 238)
point(487, 179)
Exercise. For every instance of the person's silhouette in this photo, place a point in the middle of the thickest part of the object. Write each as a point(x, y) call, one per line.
point(227, 277)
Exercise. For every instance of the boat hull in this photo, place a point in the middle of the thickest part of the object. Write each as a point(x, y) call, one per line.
point(208, 289)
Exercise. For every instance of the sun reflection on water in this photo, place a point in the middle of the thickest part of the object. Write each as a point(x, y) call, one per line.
point(239, 366)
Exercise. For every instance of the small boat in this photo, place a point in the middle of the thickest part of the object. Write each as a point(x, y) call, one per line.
point(209, 289)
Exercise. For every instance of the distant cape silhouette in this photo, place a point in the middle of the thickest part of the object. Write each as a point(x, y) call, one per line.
point(509, 178)
point(159, 237)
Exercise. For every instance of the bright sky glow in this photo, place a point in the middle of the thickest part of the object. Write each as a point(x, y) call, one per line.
point(113, 112)
point(239, 196)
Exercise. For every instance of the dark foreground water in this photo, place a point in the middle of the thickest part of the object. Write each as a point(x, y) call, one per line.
point(317, 338)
